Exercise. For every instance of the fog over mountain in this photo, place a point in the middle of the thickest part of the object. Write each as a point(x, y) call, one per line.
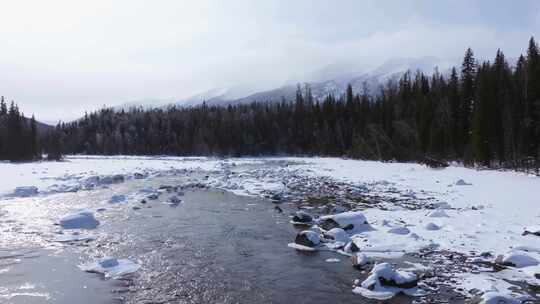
point(338, 77)
point(62, 58)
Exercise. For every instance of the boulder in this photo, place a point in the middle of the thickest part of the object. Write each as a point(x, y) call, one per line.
point(337, 235)
point(348, 221)
point(359, 260)
point(461, 182)
point(385, 275)
point(302, 217)
point(308, 238)
point(174, 200)
point(517, 259)
point(384, 282)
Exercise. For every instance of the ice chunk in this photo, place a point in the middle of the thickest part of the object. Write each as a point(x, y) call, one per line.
point(25, 191)
point(399, 230)
point(108, 262)
point(111, 179)
point(74, 237)
point(111, 267)
point(432, 226)
point(332, 260)
point(438, 213)
point(117, 198)
point(518, 260)
point(83, 219)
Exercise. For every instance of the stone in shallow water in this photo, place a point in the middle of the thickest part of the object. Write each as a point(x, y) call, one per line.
point(308, 238)
point(302, 217)
point(349, 221)
point(384, 282)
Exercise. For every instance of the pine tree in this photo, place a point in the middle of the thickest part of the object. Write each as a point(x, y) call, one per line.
point(467, 93)
point(34, 138)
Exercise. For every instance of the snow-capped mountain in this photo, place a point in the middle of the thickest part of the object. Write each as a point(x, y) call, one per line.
point(370, 81)
point(335, 83)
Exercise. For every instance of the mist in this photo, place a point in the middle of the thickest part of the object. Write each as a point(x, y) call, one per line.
point(62, 58)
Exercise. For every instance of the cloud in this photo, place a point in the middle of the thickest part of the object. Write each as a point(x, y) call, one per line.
point(62, 57)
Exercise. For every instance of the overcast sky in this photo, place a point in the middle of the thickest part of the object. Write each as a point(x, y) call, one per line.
point(61, 57)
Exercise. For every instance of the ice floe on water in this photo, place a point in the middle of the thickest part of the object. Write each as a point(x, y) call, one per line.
point(82, 219)
point(25, 191)
point(117, 198)
point(111, 267)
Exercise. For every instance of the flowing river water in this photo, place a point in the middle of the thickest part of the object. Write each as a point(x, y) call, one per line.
point(214, 247)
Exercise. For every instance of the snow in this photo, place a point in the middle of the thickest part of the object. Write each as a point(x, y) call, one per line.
point(111, 267)
point(82, 219)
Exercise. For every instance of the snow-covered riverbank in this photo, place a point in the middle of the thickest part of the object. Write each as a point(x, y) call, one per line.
point(480, 214)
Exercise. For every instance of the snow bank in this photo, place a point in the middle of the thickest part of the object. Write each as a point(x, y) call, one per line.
point(83, 219)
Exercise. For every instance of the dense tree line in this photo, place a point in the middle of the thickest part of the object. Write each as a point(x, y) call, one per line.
point(486, 113)
point(18, 135)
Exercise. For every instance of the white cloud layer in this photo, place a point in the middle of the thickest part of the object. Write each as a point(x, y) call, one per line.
point(59, 58)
